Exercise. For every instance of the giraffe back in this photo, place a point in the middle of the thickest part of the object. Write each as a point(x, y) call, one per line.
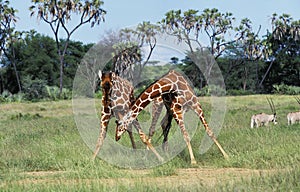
point(173, 82)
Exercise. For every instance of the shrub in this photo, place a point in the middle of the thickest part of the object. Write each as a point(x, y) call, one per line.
point(7, 97)
point(53, 93)
point(210, 90)
point(237, 92)
point(34, 89)
point(98, 94)
point(286, 89)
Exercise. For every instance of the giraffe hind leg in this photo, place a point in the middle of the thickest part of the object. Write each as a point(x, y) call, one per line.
point(166, 125)
point(178, 116)
point(209, 132)
point(156, 111)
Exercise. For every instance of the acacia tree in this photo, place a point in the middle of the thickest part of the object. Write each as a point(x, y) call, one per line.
point(128, 51)
point(8, 35)
point(251, 50)
point(57, 13)
point(281, 48)
point(189, 25)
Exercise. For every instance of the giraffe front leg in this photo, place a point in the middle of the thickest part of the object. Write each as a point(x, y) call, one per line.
point(178, 116)
point(129, 131)
point(146, 140)
point(104, 122)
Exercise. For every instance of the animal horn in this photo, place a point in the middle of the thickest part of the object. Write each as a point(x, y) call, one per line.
point(272, 106)
point(297, 99)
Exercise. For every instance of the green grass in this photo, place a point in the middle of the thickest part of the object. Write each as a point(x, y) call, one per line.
point(42, 137)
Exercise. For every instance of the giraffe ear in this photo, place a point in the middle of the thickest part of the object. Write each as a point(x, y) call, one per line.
point(113, 74)
point(100, 74)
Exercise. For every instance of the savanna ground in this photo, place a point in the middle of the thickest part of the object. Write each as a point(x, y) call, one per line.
point(41, 150)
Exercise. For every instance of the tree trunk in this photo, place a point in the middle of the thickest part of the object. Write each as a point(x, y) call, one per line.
point(61, 73)
point(13, 61)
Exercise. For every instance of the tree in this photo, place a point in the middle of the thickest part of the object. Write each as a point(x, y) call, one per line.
point(188, 27)
point(35, 57)
point(8, 36)
point(57, 13)
point(243, 56)
point(281, 50)
point(128, 51)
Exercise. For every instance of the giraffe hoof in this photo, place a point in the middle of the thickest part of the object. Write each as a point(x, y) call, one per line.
point(193, 162)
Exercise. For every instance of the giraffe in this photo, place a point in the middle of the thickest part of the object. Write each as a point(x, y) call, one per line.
point(178, 97)
point(165, 122)
point(116, 100)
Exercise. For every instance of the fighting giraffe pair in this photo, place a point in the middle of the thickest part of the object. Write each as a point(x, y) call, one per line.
point(178, 96)
point(116, 101)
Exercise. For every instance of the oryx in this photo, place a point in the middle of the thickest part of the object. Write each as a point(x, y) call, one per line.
point(293, 117)
point(263, 118)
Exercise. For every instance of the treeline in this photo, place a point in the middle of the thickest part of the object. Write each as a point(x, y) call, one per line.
point(36, 60)
point(34, 66)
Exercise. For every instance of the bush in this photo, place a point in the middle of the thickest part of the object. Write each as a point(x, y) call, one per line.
point(34, 89)
point(237, 92)
point(286, 89)
point(210, 90)
point(7, 97)
point(53, 93)
point(98, 94)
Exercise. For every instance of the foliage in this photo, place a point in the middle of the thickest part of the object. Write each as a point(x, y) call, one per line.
point(7, 97)
point(34, 89)
point(128, 54)
point(212, 90)
point(286, 89)
point(58, 13)
point(218, 28)
point(53, 93)
point(98, 94)
point(282, 49)
point(7, 19)
point(237, 92)
point(8, 36)
point(36, 56)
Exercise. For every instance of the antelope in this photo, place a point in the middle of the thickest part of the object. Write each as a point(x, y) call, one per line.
point(263, 118)
point(293, 117)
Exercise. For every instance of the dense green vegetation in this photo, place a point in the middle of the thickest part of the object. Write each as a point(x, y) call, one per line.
point(41, 150)
point(250, 61)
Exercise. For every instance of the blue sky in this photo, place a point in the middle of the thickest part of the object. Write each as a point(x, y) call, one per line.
point(131, 12)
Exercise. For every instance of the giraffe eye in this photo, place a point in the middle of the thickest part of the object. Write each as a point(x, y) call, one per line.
point(118, 123)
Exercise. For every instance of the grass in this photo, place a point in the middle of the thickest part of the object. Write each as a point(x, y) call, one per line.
point(41, 150)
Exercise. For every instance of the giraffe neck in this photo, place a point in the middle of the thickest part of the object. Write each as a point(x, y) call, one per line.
point(165, 85)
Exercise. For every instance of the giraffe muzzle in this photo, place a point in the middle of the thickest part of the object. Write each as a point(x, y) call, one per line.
point(118, 137)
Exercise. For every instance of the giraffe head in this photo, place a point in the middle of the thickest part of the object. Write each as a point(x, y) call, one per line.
point(122, 125)
point(106, 80)
point(120, 129)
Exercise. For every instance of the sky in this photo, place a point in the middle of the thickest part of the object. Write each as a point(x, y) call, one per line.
point(121, 14)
